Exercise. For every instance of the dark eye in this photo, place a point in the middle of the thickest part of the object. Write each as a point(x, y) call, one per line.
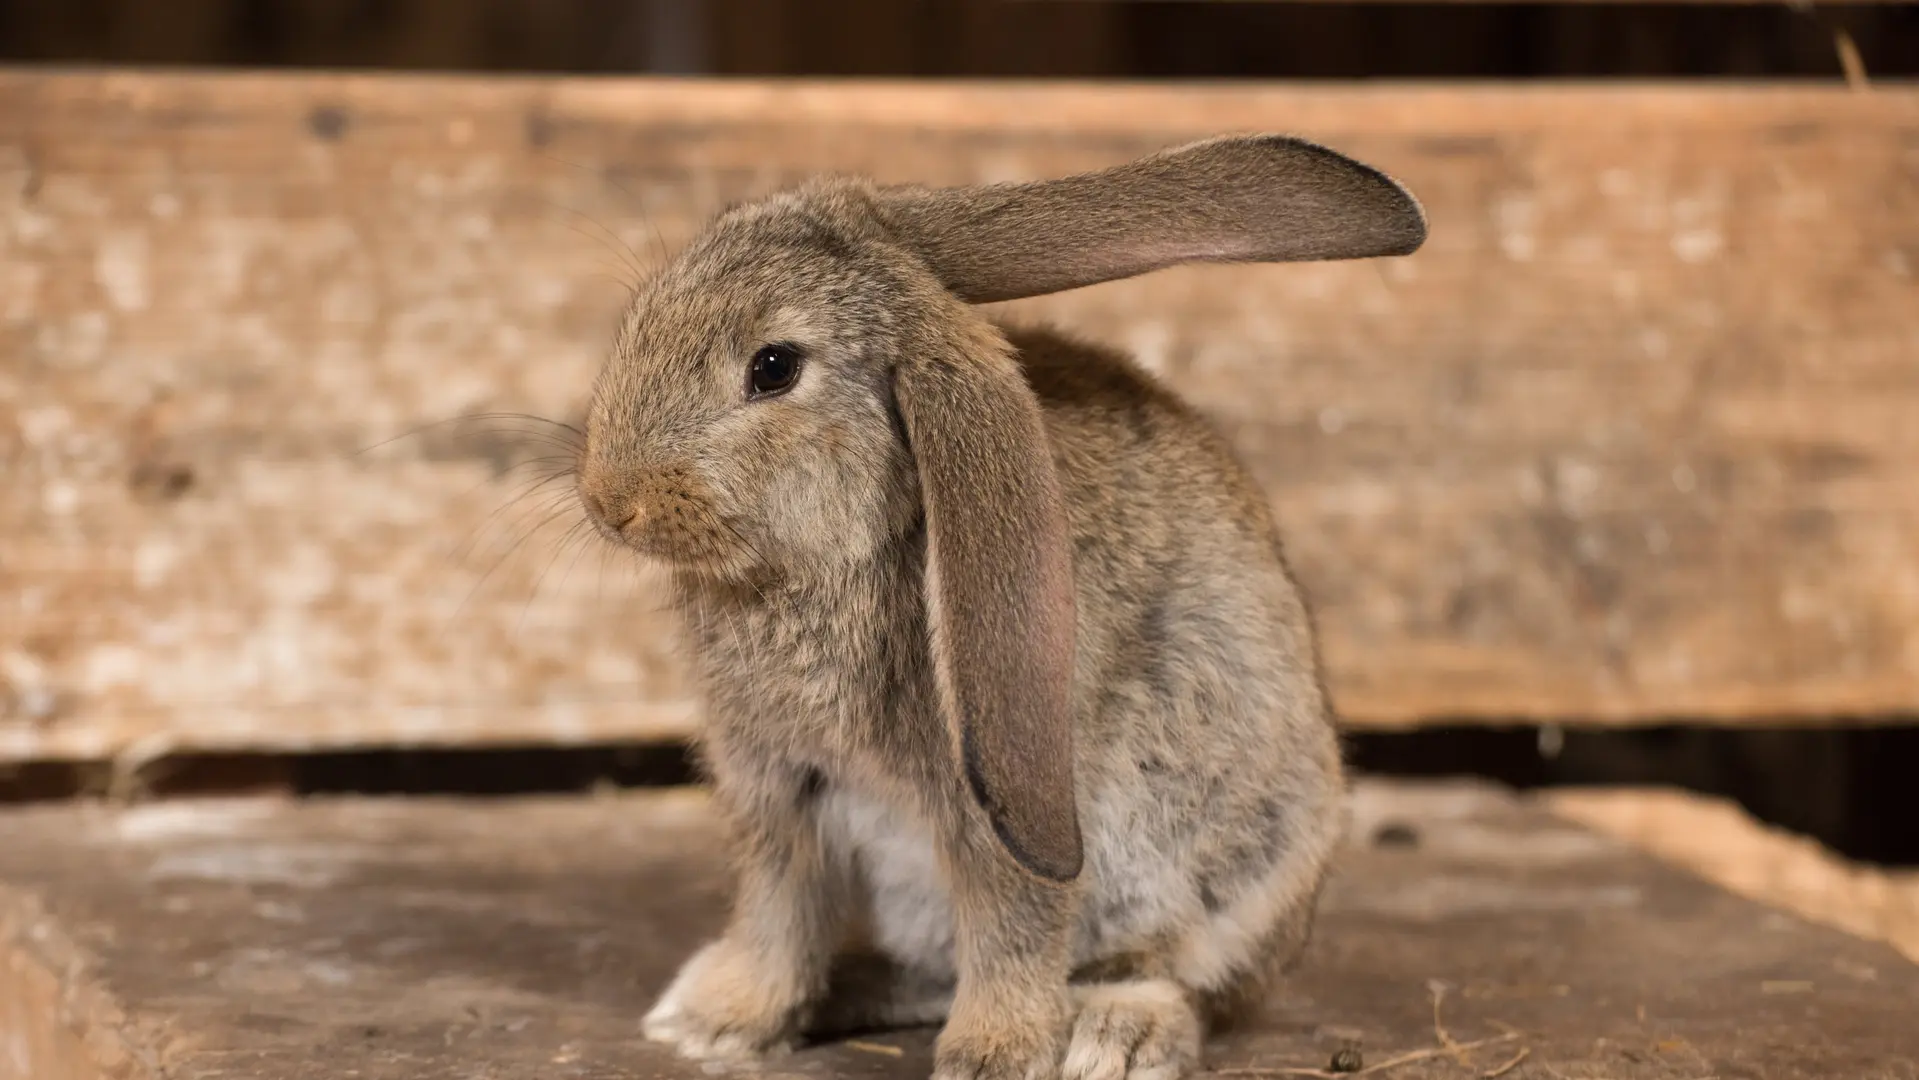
point(773, 371)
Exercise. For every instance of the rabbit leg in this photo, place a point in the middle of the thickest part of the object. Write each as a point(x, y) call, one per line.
point(1140, 1029)
point(1011, 1009)
point(872, 992)
point(1233, 959)
point(749, 991)
point(1240, 998)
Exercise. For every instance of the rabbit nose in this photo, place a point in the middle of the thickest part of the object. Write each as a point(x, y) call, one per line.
point(612, 516)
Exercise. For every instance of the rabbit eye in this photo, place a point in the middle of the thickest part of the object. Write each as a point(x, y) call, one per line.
point(773, 370)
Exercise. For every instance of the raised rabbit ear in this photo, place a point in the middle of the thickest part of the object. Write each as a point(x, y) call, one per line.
point(1262, 198)
point(999, 587)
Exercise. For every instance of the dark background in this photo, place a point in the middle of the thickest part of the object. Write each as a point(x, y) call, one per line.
point(1035, 38)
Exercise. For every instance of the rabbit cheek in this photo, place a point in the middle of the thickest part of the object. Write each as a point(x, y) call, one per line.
point(828, 509)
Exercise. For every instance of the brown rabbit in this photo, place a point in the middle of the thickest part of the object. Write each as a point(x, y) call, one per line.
point(1013, 708)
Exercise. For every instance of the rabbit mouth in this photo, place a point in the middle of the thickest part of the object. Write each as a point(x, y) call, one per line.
point(711, 548)
point(664, 515)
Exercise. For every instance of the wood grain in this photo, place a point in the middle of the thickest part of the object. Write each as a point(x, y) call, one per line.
point(1632, 438)
point(402, 939)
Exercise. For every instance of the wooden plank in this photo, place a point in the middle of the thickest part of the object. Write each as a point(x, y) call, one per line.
point(1720, 842)
point(519, 939)
point(1632, 437)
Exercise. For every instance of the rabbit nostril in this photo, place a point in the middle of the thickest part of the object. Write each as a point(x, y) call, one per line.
point(612, 516)
point(593, 506)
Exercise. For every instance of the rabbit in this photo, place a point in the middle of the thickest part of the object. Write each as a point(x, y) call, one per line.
point(1013, 711)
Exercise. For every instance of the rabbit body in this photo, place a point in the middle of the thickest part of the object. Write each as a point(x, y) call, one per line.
point(1013, 706)
point(1206, 767)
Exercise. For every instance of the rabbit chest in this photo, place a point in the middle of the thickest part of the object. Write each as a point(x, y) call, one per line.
point(834, 678)
point(837, 684)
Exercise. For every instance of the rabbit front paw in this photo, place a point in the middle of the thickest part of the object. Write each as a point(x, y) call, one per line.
point(1000, 1042)
point(1138, 1030)
point(723, 1005)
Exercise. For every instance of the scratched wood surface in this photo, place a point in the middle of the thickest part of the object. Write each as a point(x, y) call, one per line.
point(431, 939)
point(1633, 437)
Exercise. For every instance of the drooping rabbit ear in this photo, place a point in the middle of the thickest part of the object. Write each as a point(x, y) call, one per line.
point(1262, 198)
point(999, 588)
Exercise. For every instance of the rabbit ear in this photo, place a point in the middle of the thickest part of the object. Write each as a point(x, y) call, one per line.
point(999, 588)
point(1263, 198)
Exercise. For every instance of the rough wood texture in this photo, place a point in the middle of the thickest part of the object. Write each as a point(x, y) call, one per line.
point(404, 940)
point(1631, 438)
point(1722, 843)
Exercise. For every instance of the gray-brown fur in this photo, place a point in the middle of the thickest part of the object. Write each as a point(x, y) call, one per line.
point(1013, 706)
point(1260, 199)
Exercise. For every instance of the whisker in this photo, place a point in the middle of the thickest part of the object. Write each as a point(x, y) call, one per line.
point(639, 204)
point(733, 631)
point(490, 571)
point(546, 513)
point(546, 440)
point(633, 261)
point(754, 551)
point(544, 429)
point(628, 276)
point(579, 550)
point(599, 586)
point(566, 538)
point(624, 256)
point(421, 430)
point(545, 470)
point(544, 421)
point(659, 241)
point(703, 620)
point(479, 529)
point(628, 288)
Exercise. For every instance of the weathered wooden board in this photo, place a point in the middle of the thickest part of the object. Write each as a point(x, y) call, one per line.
point(1720, 842)
point(1633, 437)
point(521, 940)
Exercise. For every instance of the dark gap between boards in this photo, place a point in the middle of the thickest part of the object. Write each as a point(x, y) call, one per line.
point(1848, 787)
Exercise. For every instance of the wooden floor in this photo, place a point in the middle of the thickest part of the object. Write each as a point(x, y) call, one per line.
point(414, 939)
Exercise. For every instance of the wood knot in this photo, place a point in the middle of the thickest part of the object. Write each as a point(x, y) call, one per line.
point(1396, 834)
point(328, 122)
point(161, 481)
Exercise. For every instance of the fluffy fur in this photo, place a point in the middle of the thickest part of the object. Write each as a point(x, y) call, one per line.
point(1013, 706)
